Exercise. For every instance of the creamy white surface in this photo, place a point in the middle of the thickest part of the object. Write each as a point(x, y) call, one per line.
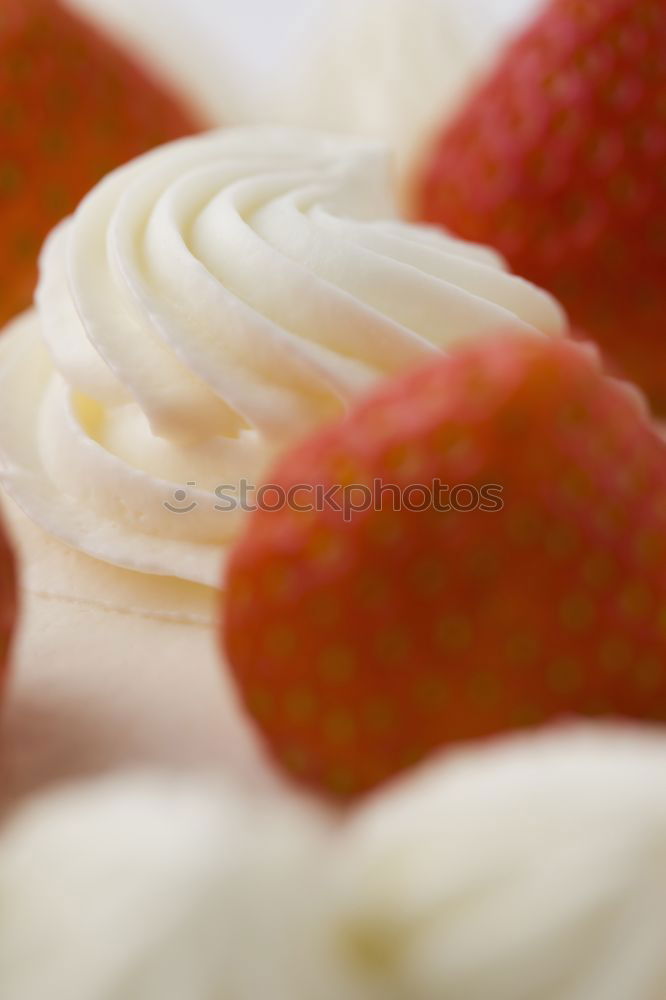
point(532, 868)
point(113, 669)
point(207, 305)
point(529, 868)
point(391, 69)
point(154, 888)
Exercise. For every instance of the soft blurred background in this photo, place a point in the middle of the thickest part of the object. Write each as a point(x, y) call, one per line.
point(246, 47)
point(330, 63)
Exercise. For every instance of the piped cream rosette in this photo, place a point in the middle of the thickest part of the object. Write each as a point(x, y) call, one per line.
point(207, 305)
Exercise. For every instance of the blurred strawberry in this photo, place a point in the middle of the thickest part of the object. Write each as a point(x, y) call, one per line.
point(72, 107)
point(7, 600)
point(360, 645)
point(557, 160)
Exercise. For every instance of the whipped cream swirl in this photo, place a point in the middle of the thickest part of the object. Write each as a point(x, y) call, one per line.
point(208, 304)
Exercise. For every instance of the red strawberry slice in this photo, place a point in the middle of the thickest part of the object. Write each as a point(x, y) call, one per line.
point(7, 601)
point(557, 161)
point(72, 107)
point(536, 590)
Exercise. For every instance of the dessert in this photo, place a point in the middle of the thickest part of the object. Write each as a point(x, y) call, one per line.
point(206, 305)
point(529, 868)
point(73, 107)
point(478, 547)
point(557, 162)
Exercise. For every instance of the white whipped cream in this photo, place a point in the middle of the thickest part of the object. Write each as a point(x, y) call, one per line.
point(530, 868)
point(148, 887)
point(527, 868)
point(208, 304)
